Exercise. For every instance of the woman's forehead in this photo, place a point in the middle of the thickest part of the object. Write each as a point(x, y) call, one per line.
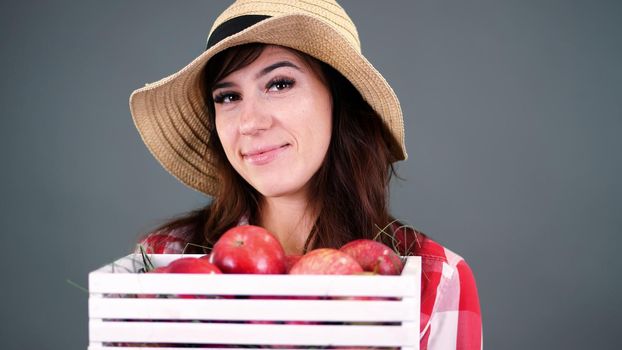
point(271, 54)
point(274, 53)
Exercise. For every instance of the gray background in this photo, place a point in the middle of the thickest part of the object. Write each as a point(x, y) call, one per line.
point(513, 117)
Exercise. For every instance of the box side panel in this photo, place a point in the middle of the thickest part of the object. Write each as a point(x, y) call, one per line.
point(211, 333)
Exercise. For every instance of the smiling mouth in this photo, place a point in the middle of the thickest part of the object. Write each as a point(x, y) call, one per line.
point(265, 155)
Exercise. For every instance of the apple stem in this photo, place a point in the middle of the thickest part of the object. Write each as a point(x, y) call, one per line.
point(376, 268)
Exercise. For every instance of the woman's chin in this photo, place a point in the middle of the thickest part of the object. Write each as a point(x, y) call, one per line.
point(274, 190)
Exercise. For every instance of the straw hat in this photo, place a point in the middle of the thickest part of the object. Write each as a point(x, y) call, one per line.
point(171, 115)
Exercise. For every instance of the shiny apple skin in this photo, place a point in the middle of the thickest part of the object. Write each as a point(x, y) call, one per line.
point(374, 256)
point(191, 265)
point(326, 261)
point(249, 249)
point(291, 260)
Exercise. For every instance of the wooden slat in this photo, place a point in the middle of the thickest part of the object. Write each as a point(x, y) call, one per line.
point(206, 333)
point(254, 309)
point(240, 284)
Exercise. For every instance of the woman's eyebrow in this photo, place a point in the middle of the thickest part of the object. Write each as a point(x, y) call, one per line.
point(274, 66)
point(224, 84)
point(268, 69)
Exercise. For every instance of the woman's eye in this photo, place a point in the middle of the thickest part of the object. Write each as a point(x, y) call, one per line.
point(225, 97)
point(280, 84)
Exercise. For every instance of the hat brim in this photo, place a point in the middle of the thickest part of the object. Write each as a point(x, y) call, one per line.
point(171, 115)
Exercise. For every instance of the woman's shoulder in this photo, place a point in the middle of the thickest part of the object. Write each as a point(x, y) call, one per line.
point(175, 236)
point(411, 241)
point(440, 265)
point(450, 308)
point(165, 241)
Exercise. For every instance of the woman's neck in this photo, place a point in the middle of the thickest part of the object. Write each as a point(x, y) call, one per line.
point(290, 219)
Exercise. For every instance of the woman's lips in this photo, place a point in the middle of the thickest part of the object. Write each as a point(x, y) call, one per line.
point(264, 156)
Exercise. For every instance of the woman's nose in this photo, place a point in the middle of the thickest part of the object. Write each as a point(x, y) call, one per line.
point(255, 117)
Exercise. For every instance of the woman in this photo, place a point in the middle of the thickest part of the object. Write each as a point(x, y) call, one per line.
point(286, 125)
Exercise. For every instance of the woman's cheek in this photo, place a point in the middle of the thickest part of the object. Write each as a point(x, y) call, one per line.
point(226, 135)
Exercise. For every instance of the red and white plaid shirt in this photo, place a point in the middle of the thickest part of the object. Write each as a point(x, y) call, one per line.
point(450, 310)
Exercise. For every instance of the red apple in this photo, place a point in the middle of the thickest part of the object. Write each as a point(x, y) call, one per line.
point(249, 249)
point(191, 265)
point(185, 265)
point(374, 256)
point(160, 269)
point(290, 261)
point(326, 261)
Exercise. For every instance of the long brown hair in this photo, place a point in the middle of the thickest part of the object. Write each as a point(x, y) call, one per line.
point(349, 191)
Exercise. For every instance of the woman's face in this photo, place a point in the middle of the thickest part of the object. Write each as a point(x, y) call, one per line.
point(274, 120)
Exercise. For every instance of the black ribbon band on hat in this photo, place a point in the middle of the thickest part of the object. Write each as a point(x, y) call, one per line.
point(231, 27)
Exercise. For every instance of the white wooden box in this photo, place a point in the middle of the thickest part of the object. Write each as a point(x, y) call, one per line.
point(130, 310)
